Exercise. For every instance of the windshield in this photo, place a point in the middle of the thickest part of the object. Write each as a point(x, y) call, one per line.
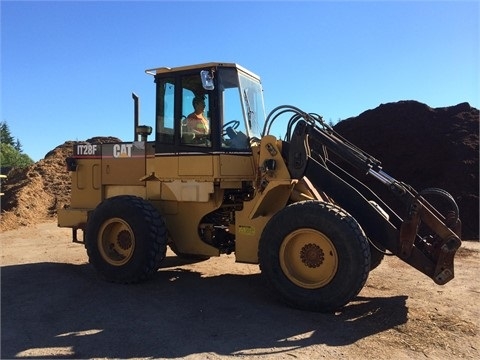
point(253, 107)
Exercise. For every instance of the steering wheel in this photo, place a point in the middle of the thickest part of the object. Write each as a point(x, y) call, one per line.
point(234, 124)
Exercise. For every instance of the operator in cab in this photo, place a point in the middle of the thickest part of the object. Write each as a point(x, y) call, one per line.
point(196, 121)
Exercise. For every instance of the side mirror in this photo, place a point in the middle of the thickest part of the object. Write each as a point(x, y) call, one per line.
point(207, 80)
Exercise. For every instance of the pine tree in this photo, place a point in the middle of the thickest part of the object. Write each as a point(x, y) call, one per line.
point(5, 135)
point(11, 150)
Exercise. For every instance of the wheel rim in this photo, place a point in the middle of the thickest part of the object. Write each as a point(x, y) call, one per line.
point(116, 242)
point(308, 258)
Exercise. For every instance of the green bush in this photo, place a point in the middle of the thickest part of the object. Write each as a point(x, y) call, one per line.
point(12, 158)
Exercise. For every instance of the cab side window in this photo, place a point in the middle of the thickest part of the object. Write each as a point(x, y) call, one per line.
point(165, 111)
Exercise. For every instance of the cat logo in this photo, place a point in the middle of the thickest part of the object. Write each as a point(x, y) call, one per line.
point(122, 150)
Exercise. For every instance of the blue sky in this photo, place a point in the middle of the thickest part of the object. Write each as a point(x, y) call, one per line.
point(68, 68)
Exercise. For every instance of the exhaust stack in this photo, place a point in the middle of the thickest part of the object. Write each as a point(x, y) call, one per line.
point(135, 116)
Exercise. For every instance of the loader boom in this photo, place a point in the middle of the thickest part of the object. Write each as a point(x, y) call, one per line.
point(311, 145)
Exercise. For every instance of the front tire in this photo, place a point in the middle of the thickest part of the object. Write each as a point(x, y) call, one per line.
point(315, 256)
point(126, 239)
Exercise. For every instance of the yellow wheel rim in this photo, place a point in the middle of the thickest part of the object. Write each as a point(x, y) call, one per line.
point(116, 242)
point(308, 258)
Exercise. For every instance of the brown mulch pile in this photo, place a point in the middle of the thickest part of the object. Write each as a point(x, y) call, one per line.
point(422, 146)
point(33, 194)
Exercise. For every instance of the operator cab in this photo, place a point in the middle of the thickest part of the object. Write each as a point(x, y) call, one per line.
point(207, 108)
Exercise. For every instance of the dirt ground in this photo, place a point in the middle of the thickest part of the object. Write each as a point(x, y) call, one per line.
point(54, 306)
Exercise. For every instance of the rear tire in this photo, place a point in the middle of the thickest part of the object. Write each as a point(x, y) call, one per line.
point(126, 239)
point(315, 255)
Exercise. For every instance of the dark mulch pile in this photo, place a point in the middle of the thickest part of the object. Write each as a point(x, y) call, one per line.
point(424, 147)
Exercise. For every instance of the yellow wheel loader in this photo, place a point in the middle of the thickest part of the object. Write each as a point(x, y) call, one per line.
point(290, 205)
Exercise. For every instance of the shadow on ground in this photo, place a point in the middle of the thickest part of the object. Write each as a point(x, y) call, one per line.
point(58, 310)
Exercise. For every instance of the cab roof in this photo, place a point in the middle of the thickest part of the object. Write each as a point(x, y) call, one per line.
point(165, 70)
